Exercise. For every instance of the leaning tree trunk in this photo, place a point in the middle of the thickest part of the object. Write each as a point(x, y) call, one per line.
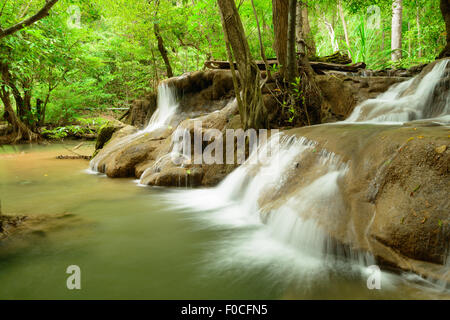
point(445, 9)
point(396, 43)
point(252, 109)
point(344, 25)
point(280, 25)
point(162, 49)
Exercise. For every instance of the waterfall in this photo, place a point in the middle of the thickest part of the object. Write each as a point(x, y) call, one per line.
point(162, 117)
point(285, 206)
point(399, 104)
point(288, 235)
point(167, 108)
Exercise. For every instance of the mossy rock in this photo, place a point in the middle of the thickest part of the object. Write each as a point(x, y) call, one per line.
point(105, 134)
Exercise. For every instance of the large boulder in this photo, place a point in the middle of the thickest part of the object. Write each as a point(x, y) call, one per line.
point(343, 93)
point(142, 110)
point(393, 200)
point(162, 171)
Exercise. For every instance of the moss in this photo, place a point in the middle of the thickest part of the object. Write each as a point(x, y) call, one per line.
point(105, 135)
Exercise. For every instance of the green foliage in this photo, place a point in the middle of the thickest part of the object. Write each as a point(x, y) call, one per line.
point(63, 132)
point(81, 127)
point(111, 57)
point(422, 41)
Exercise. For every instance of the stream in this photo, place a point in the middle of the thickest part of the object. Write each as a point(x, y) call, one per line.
point(138, 243)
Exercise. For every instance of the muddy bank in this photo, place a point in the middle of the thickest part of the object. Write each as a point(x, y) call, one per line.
point(21, 231)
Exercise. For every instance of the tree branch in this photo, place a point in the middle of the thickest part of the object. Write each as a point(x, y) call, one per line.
point(29, 21)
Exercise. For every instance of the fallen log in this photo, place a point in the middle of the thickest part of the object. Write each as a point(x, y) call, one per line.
point(336, 57)
point(78, 157)
point(323, 66)
point(317, 66)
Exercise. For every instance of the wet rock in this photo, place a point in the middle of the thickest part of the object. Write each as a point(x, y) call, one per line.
point(205, 96)
point(395, 194)
point(105, 134)
point(142, 110)
point(342, 93)
point(175, 177)
point(123, 163)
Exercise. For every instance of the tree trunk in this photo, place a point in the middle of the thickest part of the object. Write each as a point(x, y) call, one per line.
point(305, 40)
point(44, 110)
point(332, 34)
point(445, 9)
point(162, 50)
point(301, 43)
point(419, 32)
point(344, 24)
point(312, 95)
point(20, 130)
point(396, 43)
point(27, 95)
point(280, 26)
point(409, 39)
point(251, 107)
point(307, 35)
point(261, 46)
point(292, 65)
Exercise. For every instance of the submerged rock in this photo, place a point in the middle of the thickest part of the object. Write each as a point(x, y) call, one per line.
point(18, 231)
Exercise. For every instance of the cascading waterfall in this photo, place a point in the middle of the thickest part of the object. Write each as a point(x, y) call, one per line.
point(167, 108)
point(289, 238)
point(291, 235)
point(398, 106)
point(162, 117)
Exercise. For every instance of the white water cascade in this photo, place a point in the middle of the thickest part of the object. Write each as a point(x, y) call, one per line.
point(167, 108)
point(161, 118)
point(286, 234)
point(290, 242)
point(399, 104)
point(289, 238)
